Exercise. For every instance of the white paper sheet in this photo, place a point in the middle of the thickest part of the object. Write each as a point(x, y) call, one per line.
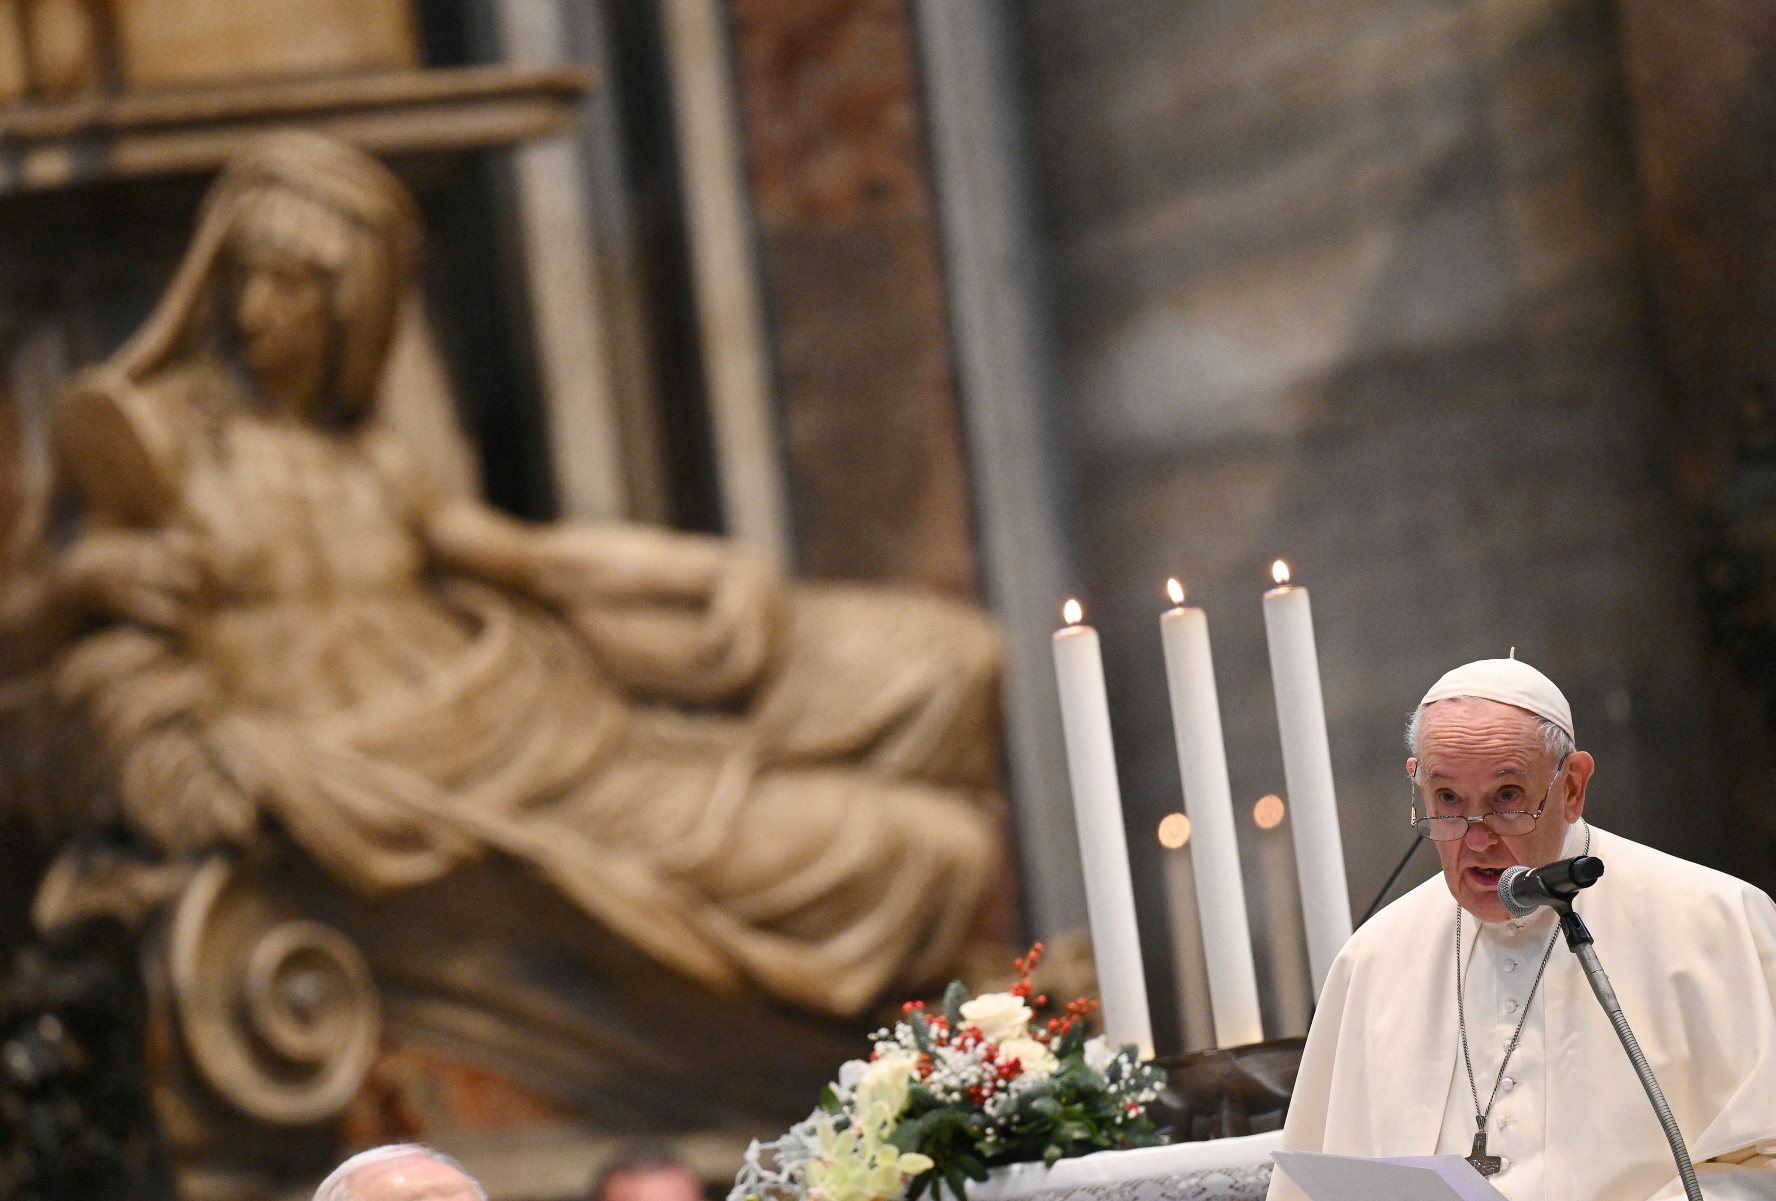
point(1414, 1178)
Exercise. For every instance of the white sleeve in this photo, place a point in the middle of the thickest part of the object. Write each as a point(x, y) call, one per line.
point(1753, 1178)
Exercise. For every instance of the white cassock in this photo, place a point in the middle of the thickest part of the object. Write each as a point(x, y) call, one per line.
point(1692, 955)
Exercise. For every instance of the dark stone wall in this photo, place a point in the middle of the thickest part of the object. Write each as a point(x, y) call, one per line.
point(1701, 78)
point(1359, 285)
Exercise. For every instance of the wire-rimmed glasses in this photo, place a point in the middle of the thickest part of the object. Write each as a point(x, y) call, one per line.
point(1507, 823)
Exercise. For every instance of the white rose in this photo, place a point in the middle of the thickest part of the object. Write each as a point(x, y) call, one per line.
point(1098, 1053)
point(1000, 1015)
point(1036, 1060)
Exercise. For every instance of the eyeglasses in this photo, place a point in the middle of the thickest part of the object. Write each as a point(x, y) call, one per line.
point(1507, 823)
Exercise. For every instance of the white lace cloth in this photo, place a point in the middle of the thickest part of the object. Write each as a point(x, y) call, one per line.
point(1223, 1169)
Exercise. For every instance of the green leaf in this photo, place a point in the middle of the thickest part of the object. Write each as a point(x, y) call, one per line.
point(954, 995)
point(829, 1101)
point(911, 1134)
point(1073, 1132)
point(921, 1030)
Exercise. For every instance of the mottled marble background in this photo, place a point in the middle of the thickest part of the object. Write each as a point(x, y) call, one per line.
point(1360, 285)
point(1451, 303)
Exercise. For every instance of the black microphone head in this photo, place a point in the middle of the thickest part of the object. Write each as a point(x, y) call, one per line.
point(1508, 893)
point(1522, 891)
point(1585, 871)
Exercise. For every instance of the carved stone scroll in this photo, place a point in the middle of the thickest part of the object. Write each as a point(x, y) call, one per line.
point(279, 1013)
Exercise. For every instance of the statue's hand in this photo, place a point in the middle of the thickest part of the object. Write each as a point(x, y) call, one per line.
point(148, 577)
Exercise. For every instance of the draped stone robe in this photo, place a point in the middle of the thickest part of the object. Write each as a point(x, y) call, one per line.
point(402, 703)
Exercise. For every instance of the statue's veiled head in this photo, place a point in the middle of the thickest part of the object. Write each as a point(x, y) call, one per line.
point(304, 253)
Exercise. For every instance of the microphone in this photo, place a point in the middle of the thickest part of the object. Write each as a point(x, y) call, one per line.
point(1522, 891)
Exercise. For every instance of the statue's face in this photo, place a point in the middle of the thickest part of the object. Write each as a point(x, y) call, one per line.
point(281, 320)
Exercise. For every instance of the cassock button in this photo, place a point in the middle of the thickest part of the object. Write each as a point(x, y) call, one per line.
point(1510, 965)
point(1507, 1084)
point(1510, 1007)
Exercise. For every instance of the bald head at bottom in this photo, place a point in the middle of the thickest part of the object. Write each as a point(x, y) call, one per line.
point(413, 1177)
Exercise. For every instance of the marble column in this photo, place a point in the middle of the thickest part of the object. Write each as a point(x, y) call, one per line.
point(849, 256)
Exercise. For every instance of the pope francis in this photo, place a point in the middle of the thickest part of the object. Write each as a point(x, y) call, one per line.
point(1445, 1018)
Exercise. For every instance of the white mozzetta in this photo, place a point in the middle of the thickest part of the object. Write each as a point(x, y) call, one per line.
point(1692, 955)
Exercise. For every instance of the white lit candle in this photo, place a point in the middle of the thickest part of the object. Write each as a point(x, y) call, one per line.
point(1196, 1013)
point(1307, 768)
point(1280, 936)
point(1097, 808)
point(1202, 762)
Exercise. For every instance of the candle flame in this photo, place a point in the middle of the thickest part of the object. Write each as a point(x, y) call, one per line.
point(1174, 831)
point(1073, 612)
point(1279, 571)
point(1175, 590)
point(1269, 812)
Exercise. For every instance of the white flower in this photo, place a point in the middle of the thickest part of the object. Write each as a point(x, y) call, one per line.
point(1036, 1060)
point(1098, 1054)
point(1000, 1015)
point(885, 1082)
point(850, 1074)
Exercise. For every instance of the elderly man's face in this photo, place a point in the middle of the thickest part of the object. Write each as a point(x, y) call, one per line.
point(412, 1178)
point(1481, 756)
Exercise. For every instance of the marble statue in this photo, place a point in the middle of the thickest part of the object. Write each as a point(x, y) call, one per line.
point(270, 625)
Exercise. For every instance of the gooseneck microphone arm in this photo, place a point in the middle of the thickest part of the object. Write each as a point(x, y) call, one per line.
point(1554, 887)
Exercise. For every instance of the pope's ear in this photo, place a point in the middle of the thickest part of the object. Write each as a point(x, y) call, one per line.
point(1412, 767)
point(1579, 768)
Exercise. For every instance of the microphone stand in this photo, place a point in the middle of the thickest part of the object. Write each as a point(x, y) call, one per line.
point(1580, 942)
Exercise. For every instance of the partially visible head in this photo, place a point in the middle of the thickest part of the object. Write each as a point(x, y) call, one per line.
point(400, 1172)
point(317, 244)
point(282, 262)
point(646, 1172)
point(1473, 753)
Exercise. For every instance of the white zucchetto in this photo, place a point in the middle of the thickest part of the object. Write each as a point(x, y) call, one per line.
point(1510, 682)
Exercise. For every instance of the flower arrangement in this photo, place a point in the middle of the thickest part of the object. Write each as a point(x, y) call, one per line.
point(945, 1096)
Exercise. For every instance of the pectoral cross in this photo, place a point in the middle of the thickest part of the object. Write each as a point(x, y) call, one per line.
point(1486, 1165)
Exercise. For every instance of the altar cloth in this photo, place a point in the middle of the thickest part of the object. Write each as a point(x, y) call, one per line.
point(1222, 1169)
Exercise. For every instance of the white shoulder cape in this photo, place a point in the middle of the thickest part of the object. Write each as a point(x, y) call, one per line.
point(1692, 955)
